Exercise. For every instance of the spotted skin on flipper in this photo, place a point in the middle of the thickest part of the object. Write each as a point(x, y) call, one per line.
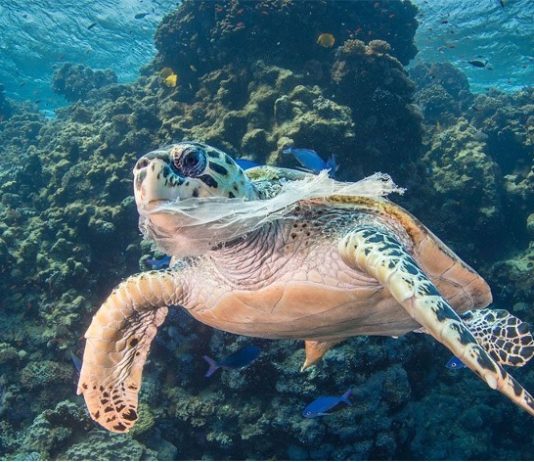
point(118, 341)
point(378, 253)
point(506, 338)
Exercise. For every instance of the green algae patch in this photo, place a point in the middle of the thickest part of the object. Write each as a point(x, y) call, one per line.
point(99, 445)
point(38, 374)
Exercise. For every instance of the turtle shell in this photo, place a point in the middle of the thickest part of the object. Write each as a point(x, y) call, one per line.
point(458, 282)
point(319, 297)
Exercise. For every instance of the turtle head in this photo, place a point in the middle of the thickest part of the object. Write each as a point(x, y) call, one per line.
point(181, 189)
point(188, 170)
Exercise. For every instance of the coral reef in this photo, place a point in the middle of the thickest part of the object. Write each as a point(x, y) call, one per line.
point(437, 104)
point(5, 107)
point(260, 102)
point(67, 425)
point(44, 374)
point(272, 107)
point(75, 81)
point(442, 91)
point(387, 126)
point(98, 446)
point(235, 400)
point(499, 127)
point(278, 110)
point(513, 275)
point(465, 184)
point(252, 80)
point(508, 122)
point(288, 29)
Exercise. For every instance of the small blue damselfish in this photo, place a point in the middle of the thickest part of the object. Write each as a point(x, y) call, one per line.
point(159, 263)
point(237, 360)
point(455, 363)
point(310, 160)
point(325, 405)
point(245, 164)
point(76, 362)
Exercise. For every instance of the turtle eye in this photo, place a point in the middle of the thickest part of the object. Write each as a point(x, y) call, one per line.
point(190, 162)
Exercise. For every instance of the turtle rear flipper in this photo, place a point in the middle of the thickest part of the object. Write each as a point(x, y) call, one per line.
point(118, 341)
point(379, 254)
point(506, 338)
point(315, 350)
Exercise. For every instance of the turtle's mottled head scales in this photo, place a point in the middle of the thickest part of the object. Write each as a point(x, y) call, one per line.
point(188, 169)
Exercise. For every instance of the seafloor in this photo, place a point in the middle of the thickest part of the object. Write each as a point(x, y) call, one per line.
point(251, 80)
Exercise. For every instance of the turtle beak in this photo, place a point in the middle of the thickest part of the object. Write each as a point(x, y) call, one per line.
point(152, 182)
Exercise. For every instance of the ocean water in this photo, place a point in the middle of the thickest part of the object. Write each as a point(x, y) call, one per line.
point(499, 33)
point(38, 36)
point(453, 32)
point(437, 94)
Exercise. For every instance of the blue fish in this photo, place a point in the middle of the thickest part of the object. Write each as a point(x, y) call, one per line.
point(76, 362)
point(325, 405)
point(237, 360)
point(455, 363)
point(310, 160)
point(245, 164)
point(159, 263)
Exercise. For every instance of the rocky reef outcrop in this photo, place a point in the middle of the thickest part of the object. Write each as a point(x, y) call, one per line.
point(75, 81)
point(288, 29)
point(387, 125)
point(465, 182)
point(252, 79)
point(330, 99)
point(5, 107)
point(442, 91)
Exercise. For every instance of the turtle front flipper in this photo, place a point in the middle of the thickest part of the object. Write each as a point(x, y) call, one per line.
point(118, 341)
point(506, 338)
point(379, 254)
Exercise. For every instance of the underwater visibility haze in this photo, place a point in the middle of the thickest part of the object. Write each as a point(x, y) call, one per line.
point(208, 242)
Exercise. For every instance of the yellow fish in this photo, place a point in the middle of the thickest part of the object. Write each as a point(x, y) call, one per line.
point(326, 40)
point(170, 78)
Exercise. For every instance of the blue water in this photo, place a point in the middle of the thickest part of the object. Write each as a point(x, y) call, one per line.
point(39, 35)
point(460, 31)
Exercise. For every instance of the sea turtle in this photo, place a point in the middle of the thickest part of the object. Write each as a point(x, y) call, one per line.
point(282, 254)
